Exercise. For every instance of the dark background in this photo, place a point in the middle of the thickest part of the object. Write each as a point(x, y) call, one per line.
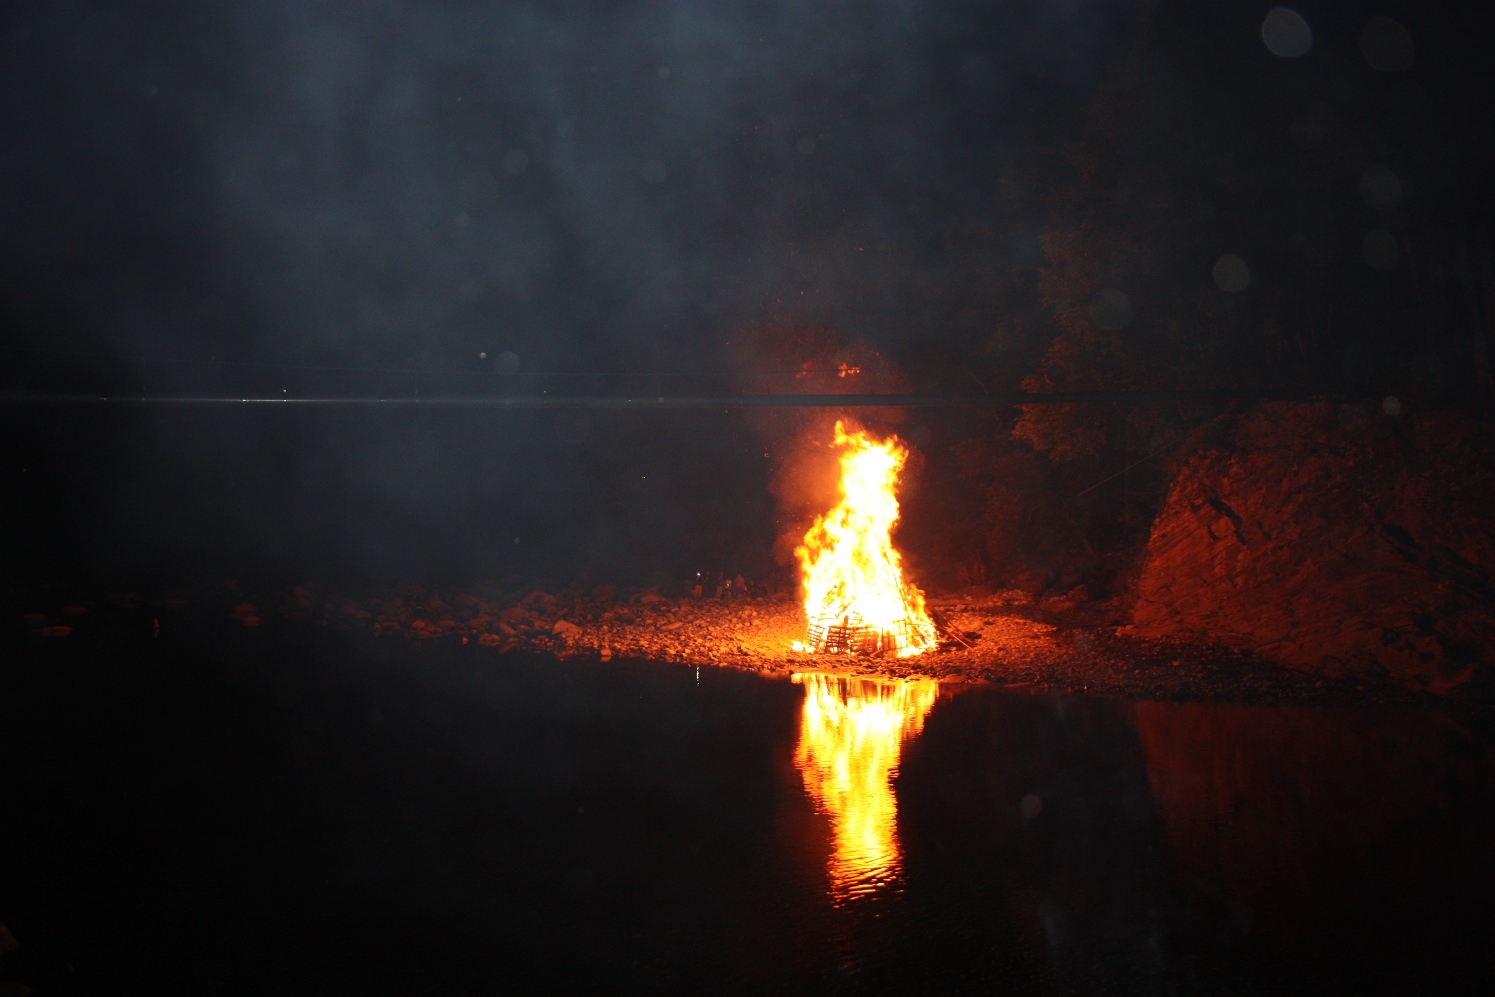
point(301, 198)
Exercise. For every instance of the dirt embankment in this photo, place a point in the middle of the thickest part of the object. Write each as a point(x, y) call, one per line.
point(1334, 541)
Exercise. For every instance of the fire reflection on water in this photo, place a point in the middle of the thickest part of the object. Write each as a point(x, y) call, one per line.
point(850, 740)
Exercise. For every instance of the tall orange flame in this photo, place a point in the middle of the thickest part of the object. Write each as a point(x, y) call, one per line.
point(855, 595)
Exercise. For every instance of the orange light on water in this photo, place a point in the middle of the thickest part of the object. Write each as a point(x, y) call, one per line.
point(855, 596)
point(851, 737)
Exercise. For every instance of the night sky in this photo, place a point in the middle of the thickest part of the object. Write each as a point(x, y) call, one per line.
point(470, 198)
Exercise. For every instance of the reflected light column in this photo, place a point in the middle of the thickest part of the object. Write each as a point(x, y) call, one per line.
point(850, 740)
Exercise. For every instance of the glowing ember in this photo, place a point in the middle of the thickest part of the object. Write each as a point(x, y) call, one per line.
point(855, 597)
point(849, 744)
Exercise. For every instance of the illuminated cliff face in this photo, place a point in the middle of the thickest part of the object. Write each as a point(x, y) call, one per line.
point(850, 740)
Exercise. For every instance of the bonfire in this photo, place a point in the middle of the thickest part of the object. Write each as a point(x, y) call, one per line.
point(856, 599)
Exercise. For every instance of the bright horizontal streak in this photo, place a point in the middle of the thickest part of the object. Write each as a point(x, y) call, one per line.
point(649, 402)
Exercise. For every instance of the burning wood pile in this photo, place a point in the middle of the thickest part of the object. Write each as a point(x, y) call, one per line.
point(852, 634)
point(856, 600)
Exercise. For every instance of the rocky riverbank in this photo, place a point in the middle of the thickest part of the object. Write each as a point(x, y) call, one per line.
point(1003, 639)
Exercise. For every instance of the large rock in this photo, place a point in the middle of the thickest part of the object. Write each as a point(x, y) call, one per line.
point(1333, 541)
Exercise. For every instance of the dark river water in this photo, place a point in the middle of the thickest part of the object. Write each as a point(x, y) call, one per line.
point(300, 812)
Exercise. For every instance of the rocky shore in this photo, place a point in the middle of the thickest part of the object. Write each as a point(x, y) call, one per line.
point(1003, 639)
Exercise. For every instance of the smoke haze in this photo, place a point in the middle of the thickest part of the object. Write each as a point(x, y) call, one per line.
point(471, 198)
